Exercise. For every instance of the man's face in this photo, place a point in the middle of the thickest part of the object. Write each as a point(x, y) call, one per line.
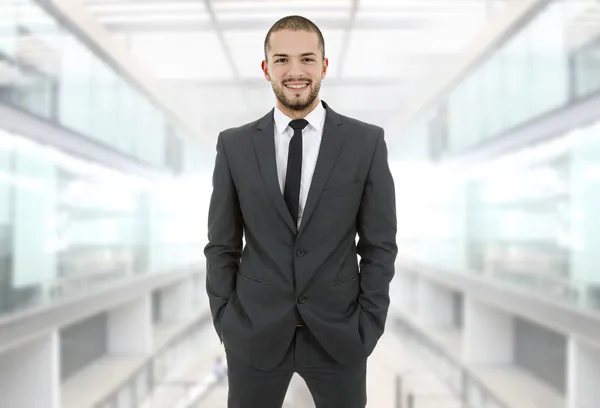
point(295, 68)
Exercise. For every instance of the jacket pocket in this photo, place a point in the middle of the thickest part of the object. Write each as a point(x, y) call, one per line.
point(342, 189)
point(253, 279)
point(344, 280)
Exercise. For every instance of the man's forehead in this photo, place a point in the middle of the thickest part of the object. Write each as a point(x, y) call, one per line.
point(290, 38)
point(294, 43)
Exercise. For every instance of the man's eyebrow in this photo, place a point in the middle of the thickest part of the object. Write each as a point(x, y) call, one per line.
point(305, 54)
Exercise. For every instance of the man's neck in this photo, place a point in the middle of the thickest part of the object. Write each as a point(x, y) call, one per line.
point(298, 114)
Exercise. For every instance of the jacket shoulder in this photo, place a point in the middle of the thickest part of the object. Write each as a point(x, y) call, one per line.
point(233, 134)
point(363, 129)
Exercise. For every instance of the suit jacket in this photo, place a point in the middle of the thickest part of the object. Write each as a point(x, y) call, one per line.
point(284, 275)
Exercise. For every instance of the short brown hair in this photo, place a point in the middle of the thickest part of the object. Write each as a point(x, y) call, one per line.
point(295, 23)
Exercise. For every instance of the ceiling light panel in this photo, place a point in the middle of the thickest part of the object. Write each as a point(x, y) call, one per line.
point(398, 53)
point(156, 18)
point(182, 55)
point(273, 16)
point(419, 42)
point(427, 5)
point(284, 7)
point(148, 7)
point(410, 13)
point(149, 12)
point(321, 13)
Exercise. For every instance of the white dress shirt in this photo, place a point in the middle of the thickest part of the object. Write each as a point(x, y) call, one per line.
point(311, 142)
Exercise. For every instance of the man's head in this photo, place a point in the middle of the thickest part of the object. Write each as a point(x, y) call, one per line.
point(295, 63)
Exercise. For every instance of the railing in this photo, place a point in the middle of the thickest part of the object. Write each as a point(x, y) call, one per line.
point(141, 384)
point(411, 399)
point(472, 392)
point(199, 392)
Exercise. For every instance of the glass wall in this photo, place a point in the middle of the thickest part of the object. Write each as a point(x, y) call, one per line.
point(48, 71)
point(586, 67)
point(552, 61)
point(432, 214)
point(68, 225)
point(529, 219)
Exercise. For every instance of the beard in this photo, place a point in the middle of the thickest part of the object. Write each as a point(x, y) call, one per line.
point(297, 103)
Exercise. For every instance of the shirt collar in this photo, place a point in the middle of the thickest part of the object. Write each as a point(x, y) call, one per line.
point(314, 118)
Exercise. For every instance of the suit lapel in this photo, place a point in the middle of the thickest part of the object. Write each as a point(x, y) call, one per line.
point(331, 146)
point(264, 147)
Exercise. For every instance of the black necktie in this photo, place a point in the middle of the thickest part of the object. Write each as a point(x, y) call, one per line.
point(293, 176)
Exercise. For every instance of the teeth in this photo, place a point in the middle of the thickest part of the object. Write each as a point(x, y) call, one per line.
point(297, 86)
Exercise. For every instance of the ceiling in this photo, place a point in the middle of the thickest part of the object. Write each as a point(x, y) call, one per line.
point(208, 52)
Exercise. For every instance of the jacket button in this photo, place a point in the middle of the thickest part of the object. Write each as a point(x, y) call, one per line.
point(301, 299)
point(300, 252)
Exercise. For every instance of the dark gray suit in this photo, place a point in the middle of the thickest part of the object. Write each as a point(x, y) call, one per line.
point(287, 276)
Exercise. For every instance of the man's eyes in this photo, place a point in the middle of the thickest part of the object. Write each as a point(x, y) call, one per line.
point(303, 59)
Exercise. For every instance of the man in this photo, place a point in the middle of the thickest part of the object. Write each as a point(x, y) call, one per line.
point(299, 184)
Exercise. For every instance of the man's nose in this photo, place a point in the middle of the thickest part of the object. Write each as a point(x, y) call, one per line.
point(296, 70)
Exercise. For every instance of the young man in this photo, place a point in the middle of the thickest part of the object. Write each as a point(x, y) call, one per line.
point(300, 184)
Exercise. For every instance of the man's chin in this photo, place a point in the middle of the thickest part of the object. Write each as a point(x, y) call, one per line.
point(299, 107)
point(298, 104)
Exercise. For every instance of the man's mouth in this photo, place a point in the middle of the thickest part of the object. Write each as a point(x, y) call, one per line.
point(296, 85)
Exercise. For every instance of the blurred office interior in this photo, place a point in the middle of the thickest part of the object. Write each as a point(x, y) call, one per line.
point(109, 115)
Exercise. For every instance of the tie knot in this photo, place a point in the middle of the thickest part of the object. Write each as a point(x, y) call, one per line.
point(298, 124)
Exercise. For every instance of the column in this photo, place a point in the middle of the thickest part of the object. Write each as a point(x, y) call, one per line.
point(8, 37)
point(6, 192)
point(29, 375)
point(434, 304)
point(488, 334)
point(583, 375)
point(34, 221)
point(584, 195)
point(130, 329)
point(403, 292)
point(177, 301)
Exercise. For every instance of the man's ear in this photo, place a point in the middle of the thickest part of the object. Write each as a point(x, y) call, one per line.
point(265, 68)
point(325, 67)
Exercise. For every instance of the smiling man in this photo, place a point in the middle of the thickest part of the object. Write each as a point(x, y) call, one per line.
point(300, 184)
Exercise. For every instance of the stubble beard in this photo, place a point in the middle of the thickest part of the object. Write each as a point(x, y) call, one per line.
point(297, 104)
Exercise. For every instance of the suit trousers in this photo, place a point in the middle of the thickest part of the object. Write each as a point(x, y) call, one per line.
point(330, 384)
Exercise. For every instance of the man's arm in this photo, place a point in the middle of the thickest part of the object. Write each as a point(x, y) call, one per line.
point(225, 229)
point(376, 225)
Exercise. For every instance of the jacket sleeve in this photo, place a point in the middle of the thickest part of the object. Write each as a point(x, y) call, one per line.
point(225, 231)
point(377, 247)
